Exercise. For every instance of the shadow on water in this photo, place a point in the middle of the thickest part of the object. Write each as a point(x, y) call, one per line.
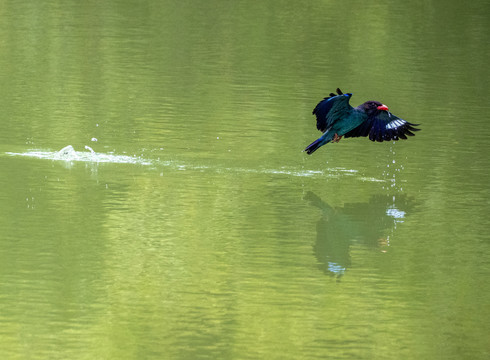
point(369, 224)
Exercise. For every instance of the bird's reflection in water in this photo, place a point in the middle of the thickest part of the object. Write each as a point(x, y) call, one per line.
point(369, 224)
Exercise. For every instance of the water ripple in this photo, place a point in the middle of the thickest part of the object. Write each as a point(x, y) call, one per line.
point(70, 155)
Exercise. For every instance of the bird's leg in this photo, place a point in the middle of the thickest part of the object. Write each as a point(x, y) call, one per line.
point(336, 138)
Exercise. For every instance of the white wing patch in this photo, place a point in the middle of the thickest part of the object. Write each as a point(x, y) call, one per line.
point(395, 123)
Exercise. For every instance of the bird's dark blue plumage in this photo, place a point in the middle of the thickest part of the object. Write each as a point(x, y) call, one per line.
point(335, 117)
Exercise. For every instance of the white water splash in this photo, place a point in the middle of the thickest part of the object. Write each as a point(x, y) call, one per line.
point(70, 156)
point(90, 149)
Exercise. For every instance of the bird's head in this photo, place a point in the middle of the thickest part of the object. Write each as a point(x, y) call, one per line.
point(373, 107)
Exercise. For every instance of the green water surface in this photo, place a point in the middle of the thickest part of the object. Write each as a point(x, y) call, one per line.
point(222, 239)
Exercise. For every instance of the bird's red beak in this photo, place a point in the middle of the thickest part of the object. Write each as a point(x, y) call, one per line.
point(383, 107)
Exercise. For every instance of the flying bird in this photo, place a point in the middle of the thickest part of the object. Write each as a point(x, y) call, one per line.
point(336, 118)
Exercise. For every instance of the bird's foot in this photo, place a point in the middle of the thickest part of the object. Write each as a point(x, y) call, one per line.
point(336, 138)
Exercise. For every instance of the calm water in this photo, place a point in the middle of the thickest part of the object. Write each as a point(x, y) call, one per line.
point(198, 229)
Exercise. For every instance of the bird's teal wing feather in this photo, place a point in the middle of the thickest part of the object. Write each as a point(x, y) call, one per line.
point(331, 109)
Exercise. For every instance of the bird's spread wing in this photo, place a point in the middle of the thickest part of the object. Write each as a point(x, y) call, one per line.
point(331, 109)
point(382, 127)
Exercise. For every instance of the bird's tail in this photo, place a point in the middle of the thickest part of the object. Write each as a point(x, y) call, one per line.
point(310, 149)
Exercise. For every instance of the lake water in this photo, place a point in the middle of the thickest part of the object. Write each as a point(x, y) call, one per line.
point(186, 222)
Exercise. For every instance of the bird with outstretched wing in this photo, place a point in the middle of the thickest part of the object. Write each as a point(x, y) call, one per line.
point(336, 118)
